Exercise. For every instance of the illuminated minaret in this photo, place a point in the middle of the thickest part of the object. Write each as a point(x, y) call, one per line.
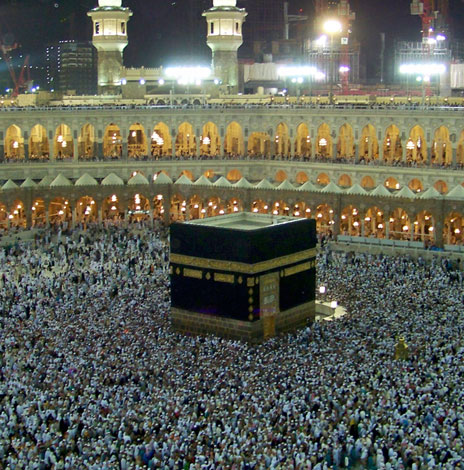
point(224, 37)
point(109, 38)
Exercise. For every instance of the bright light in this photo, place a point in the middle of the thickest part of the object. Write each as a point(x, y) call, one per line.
point(344, 69)
point(440, 37)
point(161, 81)
point(322, 290)
point(333, 304)
point(423, 69)
point(321, 41)
point(332, 26)
point(297, 71)
point(188, 74)
point(123, 81)
point(142, 81)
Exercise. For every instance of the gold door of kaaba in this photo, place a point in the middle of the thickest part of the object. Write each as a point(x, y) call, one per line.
point(269, 302)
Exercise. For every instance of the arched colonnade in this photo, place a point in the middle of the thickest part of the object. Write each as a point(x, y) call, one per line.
point(334, 214)
point(389, 145)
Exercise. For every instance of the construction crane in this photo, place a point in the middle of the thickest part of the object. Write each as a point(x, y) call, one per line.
point(21, 81)
point(433, 14)
point(426, 10)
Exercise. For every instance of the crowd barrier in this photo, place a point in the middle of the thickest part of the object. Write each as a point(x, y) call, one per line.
point(382, 241)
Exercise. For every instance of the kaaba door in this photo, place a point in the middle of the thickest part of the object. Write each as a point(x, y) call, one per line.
point(269, 302)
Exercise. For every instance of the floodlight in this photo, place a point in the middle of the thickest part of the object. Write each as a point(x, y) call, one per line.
point(423, 69)
point(332, 26)
point(297, 71)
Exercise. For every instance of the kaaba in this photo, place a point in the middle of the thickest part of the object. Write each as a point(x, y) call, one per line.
point(243, 276)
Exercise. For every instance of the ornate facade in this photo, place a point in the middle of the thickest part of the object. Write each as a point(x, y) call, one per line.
point(389, 174)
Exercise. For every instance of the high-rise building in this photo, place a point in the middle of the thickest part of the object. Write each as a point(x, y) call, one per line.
point(72, 65)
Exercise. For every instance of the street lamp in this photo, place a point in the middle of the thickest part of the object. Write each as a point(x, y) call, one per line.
point(332, 27)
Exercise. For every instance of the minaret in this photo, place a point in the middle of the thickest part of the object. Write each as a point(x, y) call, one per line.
point(224, 37)
point(109, 38)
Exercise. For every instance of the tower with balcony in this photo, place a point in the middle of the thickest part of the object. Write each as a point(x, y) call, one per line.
point(110, 20)
point(224, 37)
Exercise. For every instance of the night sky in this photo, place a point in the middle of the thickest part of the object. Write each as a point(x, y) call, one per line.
point(162, 31)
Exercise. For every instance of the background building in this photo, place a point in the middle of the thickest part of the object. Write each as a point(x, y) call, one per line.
point(72, 66)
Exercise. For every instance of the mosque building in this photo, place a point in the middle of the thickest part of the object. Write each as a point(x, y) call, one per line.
point(381, 173)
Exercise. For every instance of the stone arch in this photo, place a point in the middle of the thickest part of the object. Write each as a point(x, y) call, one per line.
point(322, 179)
point(260, 207)
point(399, 225)
point(215, 206)
point(86, 143)
point(161, 143)
point(234, 175)
point(441, 153)
point(38, 213)
point(158, 207)
point(416, 186)
point(259, 145)
point(138, 209)
point(112, 142)
point(59, 211)
point(368, 144)
point(441, 186)
point(86, 210)
point(233, 142)
point(137, 147)
point(374, 223)
point(392, 147)
point(280, 207)
point(17, 215)
point(345, 181)
point(345, 142)
point(3, 217)
point(234, 205)
point(39, 147)
point(416, 147)
point(324, 219)
point(299, 210)
point(186, 142)
point(391, 183)
point(460, 151)
point(303, 145)
point(112, 210)
point(350, 221)
point(324, 142)
point(368, 182)
point(14, 144)
point(280, 176)
point(210, 143)
point(453, 229)
point(195, 207)
point(424, 229)
point(301, 177)
point(63, 143)
point(282, 141)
